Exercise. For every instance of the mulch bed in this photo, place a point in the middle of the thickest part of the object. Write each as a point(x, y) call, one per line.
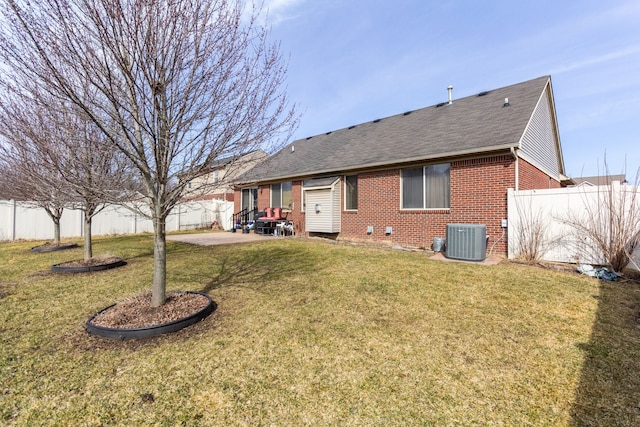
point(136, 312)
point(50, 247)
point(90, 262)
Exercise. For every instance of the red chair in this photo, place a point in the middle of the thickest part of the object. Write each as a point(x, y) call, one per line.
point(277, 213)
point(267, 213)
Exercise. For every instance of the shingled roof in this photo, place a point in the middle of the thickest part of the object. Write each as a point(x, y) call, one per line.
point(475, 124)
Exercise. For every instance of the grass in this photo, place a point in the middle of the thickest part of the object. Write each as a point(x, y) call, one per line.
point(310, 333)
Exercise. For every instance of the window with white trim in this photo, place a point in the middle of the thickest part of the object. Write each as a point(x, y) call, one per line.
point(351, 192)
point(281, 195)
point(426, 187)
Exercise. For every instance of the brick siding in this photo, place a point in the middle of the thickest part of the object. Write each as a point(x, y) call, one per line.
point(478, 195)
point(532, 178)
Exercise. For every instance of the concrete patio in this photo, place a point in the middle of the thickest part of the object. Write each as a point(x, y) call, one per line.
point(218, 238)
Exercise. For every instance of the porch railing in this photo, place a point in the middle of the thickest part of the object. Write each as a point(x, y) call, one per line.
point(243, 217)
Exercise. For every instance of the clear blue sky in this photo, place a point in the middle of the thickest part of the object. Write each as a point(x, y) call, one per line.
point(352, 61)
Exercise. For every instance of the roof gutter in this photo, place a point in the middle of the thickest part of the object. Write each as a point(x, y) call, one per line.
point(386, 164)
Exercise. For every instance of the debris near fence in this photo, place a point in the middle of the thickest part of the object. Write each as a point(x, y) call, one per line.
point(602, 273)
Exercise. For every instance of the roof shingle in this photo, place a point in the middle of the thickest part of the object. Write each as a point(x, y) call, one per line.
point(474, 124)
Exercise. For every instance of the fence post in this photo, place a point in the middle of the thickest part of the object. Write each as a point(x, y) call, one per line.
point(616, 195)
point(511, 221)
point(14, 212)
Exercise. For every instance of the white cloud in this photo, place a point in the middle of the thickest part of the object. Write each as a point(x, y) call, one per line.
point(278, 11)
point(595, 60)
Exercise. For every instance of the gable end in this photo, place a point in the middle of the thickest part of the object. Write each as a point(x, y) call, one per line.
point(540, 143)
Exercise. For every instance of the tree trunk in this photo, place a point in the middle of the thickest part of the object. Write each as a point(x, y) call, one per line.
point(56, 230)
point(88, 247)
point(158, 291)
point(55, 214)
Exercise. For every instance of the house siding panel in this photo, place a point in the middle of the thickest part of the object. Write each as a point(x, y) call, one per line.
point(327, 220)
point(336, 206)
point(539, 139)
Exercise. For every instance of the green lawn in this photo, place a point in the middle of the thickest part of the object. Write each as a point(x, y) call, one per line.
point(313, 333)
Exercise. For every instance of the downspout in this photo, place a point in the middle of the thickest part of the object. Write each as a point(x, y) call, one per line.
point(515, 158)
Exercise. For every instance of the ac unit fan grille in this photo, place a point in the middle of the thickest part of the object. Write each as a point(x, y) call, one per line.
point(466, 242)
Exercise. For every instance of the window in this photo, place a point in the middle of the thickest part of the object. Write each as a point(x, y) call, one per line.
point(426, 187)
point(281, 195)
point(287, 201)
point(351, 192)
point(436, 179)
point(249, 200)
point(412, 188)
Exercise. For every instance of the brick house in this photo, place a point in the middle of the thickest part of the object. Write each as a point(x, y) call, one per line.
point(401, 179)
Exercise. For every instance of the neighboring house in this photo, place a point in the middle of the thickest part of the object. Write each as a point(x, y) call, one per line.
point(217, 182)
point(595, 180)
point(403, 178)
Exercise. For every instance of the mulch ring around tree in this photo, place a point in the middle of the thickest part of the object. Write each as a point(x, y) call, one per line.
point(92, 264)
point(136, 318)
point(50, 247)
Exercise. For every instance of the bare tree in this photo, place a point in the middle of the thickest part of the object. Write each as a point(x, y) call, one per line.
point(6, 192)
point(94, 174)
point(177, 84)
point(609, 226)
point(29, 180)
point(66, 149)
point(29, 188)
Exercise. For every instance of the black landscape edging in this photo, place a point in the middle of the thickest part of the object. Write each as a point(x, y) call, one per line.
point(52, 248)
point(151, 331)
point(60, 268)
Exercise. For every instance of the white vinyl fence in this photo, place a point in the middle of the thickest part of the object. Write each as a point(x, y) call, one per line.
point(19, 221)
point(554, 210)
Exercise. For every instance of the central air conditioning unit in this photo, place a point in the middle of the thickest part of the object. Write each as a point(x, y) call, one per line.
point(466, 242)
